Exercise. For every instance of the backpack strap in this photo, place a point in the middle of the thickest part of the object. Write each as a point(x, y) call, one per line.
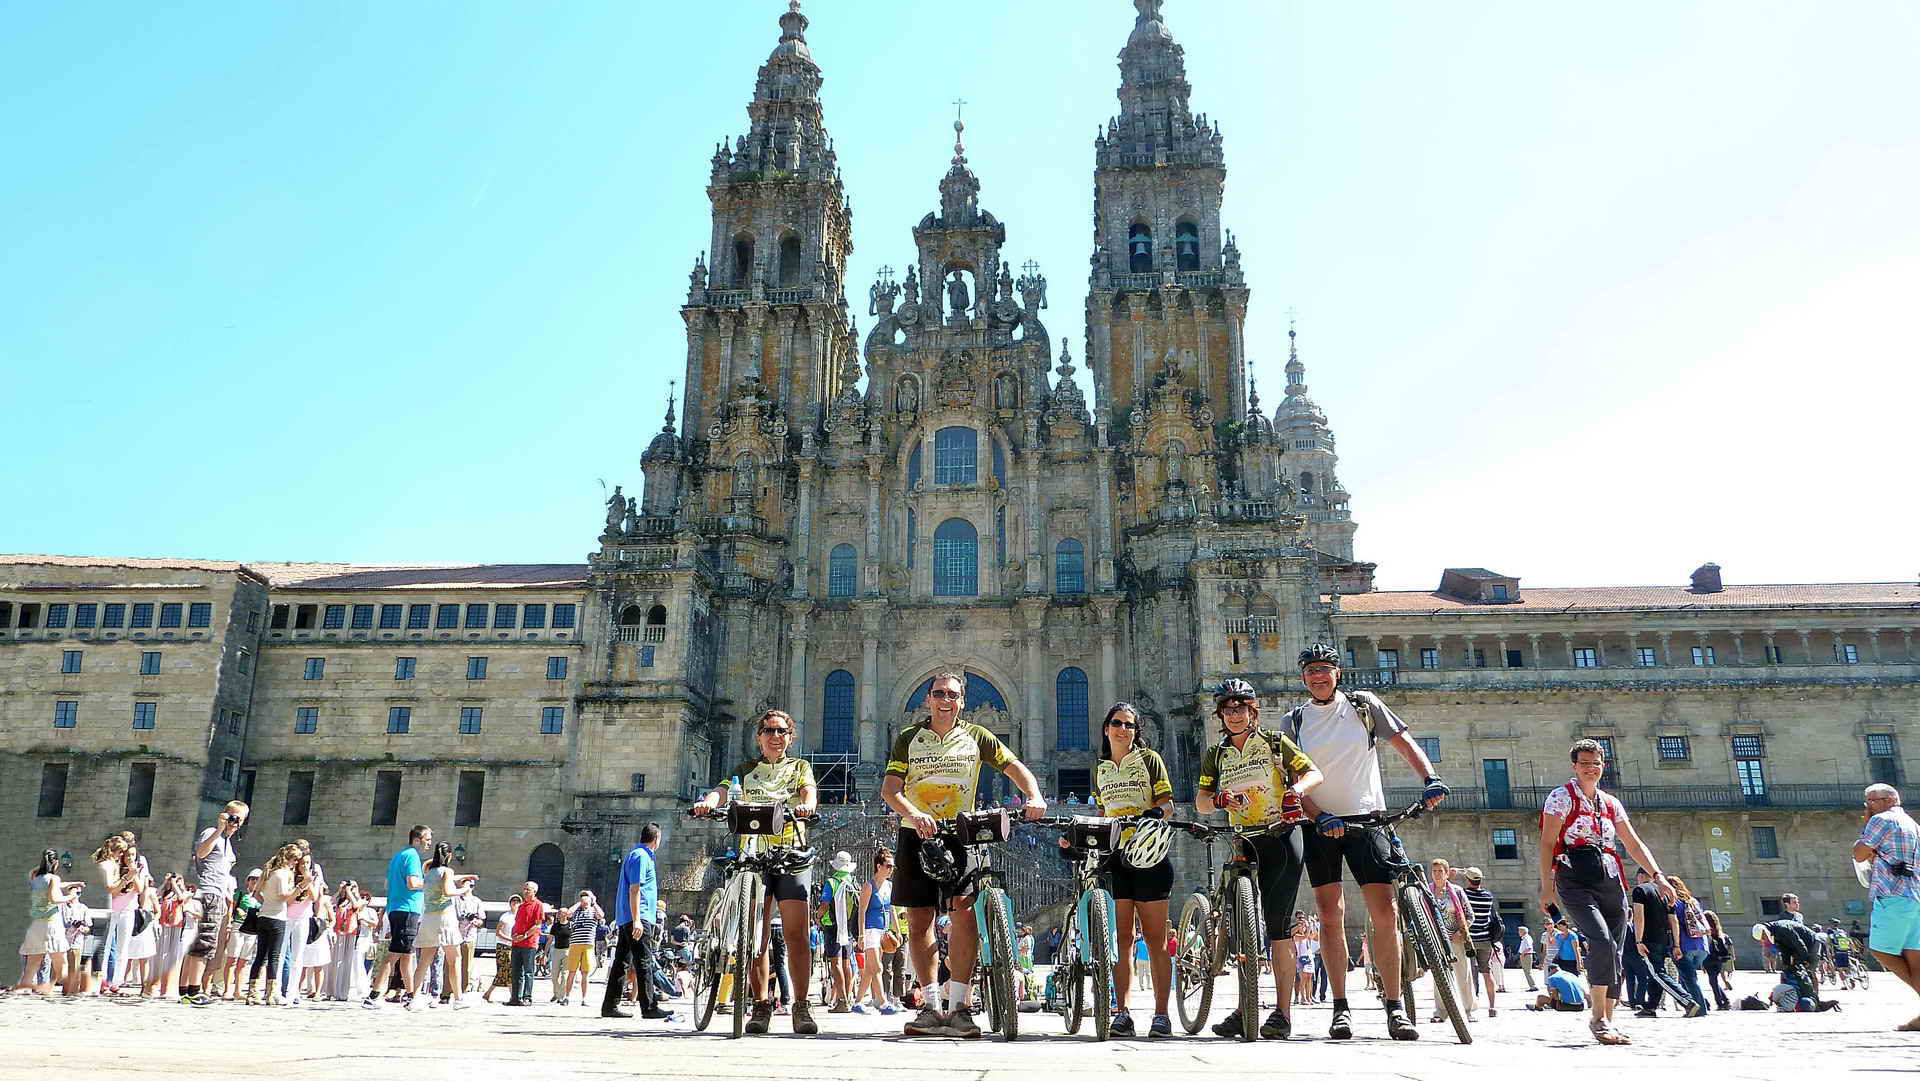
point(1361, 707)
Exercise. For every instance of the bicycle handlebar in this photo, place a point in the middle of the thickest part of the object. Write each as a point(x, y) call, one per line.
point(1385, 818)
point(1204, 831)
point(809, 818)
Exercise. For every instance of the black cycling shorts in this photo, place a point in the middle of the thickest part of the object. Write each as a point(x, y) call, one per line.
point(911, 887)
point(1141, 886)
point(1277, 860)
point(786, 887)
point(1365, 852)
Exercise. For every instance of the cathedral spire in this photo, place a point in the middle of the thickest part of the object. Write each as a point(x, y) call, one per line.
point(960, 188)
point(1296, 371)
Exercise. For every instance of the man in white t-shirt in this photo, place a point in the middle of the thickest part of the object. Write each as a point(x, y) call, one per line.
point(1341, 738)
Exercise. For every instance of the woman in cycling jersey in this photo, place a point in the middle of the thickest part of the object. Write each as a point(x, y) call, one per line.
point(1131, 779)
point(1579, 869)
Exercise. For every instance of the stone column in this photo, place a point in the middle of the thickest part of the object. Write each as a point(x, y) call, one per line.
point(1906, 643)
point(1806, 646)
point(1103, 515)
point(1033, 619)
point(1500, 644)
point(1873, 643)
point(1633, 648)
point(1236, 357)
point(803, 554)
point(1739, 647)
point(869, 744)
point(797, 637)
point(1470, 639)
point(1773, 648)
point(1109, 674)
point(728, 325)
point(696, 374)
point(1036, 576)
point(1566, 641)
point(1099, 349)
point(1137, 319)
point(870, 563)
point(1666, 648)
point(1203, 369)
point(1533, 646)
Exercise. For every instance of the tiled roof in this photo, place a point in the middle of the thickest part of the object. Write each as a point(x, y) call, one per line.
point(323, 576)
point(1627, 598)
point(341, 576)
point(1475, 572)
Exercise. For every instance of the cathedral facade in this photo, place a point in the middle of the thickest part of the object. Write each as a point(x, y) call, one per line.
point(830, 543)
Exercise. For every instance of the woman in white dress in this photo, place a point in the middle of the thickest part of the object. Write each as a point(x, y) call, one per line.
point(440, 930)
point(145, 944)
point(292, 962)
point(120, 875)
point(318, 957)
point(46, 926)
point(341, 983)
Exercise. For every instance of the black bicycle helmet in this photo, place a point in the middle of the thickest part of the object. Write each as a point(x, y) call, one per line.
point(1234, 688)
point(1319, 653)
point(939, 862)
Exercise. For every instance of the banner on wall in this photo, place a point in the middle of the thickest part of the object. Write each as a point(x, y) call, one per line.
point(1724, 875)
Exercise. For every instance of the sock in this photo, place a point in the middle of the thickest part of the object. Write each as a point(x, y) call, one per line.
point(958, 993)
point(1391, 1004)
point(1340, 1004)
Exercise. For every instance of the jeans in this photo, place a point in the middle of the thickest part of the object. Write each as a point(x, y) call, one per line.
point(523, 973)
point(272, 932)
point(777, 960)
point(1640, 970)
point(1690, 964)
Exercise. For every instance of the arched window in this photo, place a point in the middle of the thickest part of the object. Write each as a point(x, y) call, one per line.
point(1306, 480)
point(956, 456)
point(913, 536)
point(657, 616)
point(1070, 711)
point(980, 695)
point(836, 714)
point(742, 261)
point(843, 569)
point(789, 260)
point(1186, 246)
point(630, 616)
point(956, 559)
point(547, 867)
point(1069, 567)
point(1139, 249)
point(999, 461)
point(913, 465)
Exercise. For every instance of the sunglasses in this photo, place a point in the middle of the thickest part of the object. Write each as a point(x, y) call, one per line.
point(1122, 724)
point(776, 731)
point(943, 694)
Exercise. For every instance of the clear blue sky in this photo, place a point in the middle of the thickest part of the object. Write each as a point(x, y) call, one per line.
point(1591, 294)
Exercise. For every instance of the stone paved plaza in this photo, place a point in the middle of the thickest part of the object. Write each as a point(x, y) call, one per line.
point(112, 1040)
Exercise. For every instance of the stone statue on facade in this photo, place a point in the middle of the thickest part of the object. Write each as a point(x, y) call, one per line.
point(957, 297)
point(616, 510)
point(908, 397)
point(633, 515)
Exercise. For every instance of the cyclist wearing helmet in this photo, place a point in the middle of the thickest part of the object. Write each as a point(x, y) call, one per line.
point(776, 777)
point(1254, 774)
point(1339, 731)
point(1131, 779)
point(932, 771)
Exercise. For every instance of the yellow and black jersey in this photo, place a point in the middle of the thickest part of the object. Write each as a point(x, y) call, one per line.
point(1260, 771)
point(762, 781)
point(939, 774)
point(1132, 785)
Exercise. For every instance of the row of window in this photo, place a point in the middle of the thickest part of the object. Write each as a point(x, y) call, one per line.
point(404, 668)
point(71, 661)
point(1765, 840)
point(420, 617)
point(66, 714)
point(306, 720)
point(1186, 248)
point(469, 799)
point(1592, 657)
point(1749, 762)
point(114, 616)
point(1071, 708)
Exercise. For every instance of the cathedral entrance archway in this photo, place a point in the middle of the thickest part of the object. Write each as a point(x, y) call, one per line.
point(985, 706)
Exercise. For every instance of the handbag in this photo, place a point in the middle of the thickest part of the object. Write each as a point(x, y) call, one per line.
point(140, 920)
point(315, 928)
point(250, 924)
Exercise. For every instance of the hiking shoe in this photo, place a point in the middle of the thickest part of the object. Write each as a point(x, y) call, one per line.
point(1278, 1026)
point(760, 1018)
point(1342, 1027)
point(840, 1007)
point(1229, 1026)
point(960, 1023)
point(1694, 1009)
point(1161, 1028)
point(803, 1022)
point(1400, 1026)
point(1645, 1012)
point(929, 1022)
point(1122, 1025)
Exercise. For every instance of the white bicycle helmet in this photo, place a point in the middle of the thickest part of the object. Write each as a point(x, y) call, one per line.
point(1148, 846)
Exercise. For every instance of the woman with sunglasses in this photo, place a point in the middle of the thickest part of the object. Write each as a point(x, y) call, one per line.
point(777, 777)
point(876, 906)
point(1131, 779)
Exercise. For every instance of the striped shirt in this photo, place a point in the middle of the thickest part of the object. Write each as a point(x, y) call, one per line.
point(1480, 913)
point(581, 927)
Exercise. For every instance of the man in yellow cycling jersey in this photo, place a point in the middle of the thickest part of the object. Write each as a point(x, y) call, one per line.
point(932, 771)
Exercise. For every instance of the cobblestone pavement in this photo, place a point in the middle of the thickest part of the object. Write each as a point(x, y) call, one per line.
point(113, 1040)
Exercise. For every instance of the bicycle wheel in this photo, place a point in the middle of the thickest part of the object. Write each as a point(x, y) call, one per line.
point(1416, 908)
point(1100, 954)
point(1071, 975)
point(746, 940)
point(709, 954)
point(1193, 965)
point(1247, 954)
point(1000, 948)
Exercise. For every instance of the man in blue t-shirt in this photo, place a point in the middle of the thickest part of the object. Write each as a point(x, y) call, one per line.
point(1564, 992)
point(636, 932)
point(406, 886)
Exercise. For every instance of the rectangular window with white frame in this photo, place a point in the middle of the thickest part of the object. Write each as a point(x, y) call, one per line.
point(1586, 657)
point(1847, 652)
point(1389, 658)
point(1645, 657)
point(1703, 656)
point(1429, 658)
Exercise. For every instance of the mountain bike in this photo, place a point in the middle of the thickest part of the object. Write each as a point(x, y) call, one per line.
point(735, 927)
point(1419, 919)
point(1088, 950)
point(1220, 923)
point(975, 832)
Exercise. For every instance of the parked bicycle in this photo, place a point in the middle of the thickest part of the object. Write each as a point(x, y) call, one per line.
point(1221, 923)
point(736, 926)
point(1419, 912)
point(1088, 950)
point(962, 866)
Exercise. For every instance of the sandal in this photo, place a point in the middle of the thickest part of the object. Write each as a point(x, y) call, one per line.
point(1910, 1026)
point(1604, 1032)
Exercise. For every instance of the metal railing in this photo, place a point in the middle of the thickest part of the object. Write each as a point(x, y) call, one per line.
point(1369, 677)
point(1254, 625)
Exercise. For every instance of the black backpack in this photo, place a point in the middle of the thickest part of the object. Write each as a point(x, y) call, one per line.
point(1363, 704)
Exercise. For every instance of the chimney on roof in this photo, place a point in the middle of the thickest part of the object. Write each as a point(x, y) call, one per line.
point(1707, 578)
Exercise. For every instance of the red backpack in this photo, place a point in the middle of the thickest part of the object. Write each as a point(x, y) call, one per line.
point(1605, 810)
